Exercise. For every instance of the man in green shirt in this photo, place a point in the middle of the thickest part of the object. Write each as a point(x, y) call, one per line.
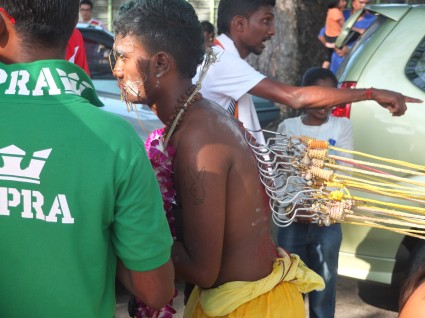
point(79, 202)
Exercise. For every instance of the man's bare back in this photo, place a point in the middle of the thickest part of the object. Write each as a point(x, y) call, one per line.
point(225, 213)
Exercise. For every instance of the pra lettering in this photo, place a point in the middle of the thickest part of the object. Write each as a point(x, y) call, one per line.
point(32, 204)
point(20, 79)
point(45, 83)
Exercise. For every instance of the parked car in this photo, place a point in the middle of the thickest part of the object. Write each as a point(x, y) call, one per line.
point(389, 55)
point(98, 44)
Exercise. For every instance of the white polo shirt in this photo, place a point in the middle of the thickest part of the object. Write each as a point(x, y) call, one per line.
point(337, 128)
point(230, 78)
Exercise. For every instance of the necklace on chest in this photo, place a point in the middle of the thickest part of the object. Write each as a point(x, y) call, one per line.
point(183, 103)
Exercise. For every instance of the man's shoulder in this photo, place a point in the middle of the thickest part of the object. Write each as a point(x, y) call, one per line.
point(228, 63)
point(96, 22)
point(112, 119)
point(224, 55)
point(292, 120)
point(366, 20)
point(369, 18)
point(346, 13)
point(335, 12)
point(106, 122)
point(369, 15)
point(207, 123)
point(117, 130)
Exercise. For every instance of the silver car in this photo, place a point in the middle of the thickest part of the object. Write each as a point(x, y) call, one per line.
point(389, 55)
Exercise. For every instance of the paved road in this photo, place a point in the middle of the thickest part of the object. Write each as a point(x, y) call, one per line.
point(355, 299)
point(359, 299)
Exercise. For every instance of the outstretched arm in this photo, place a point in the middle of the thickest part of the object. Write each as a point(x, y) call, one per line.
point(316, 97)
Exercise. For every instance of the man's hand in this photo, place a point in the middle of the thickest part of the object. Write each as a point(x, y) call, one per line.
point(154, 287)
point(394, 102)
point(341, 52)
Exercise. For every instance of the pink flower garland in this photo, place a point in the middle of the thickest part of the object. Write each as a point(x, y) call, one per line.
point(162, 164)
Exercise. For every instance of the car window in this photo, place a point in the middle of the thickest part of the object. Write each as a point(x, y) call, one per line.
point(97, 57)
point(415, 68)
point(360, 42)
point(98, 46)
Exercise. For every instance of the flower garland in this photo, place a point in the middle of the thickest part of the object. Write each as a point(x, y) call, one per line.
point(162, 163)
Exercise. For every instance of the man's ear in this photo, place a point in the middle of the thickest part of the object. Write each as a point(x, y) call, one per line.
point(238, 23)
point(163, 63)
point(4, 33)
point(2, 25)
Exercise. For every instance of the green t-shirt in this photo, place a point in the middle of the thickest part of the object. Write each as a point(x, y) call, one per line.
point(76, 192)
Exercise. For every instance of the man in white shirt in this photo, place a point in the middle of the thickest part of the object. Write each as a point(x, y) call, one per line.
point(86, 8)
point(236, 78)
point(243, 27)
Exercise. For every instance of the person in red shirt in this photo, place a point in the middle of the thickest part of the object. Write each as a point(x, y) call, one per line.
point(76, 52)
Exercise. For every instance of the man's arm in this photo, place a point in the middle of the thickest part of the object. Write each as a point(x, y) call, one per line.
point(155, 287)
point(321, 36)
point(141, 235)
point(316, 97)
point(200, 176)
point(342, 52)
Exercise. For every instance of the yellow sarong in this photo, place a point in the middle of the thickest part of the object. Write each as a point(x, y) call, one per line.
point(276, 295)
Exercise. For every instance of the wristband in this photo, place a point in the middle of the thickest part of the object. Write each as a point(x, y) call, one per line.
point(369, 93)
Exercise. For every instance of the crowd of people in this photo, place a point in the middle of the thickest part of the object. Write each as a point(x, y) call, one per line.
point(83, 201)
point(336, 55)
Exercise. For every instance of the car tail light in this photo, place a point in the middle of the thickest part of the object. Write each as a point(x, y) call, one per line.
point(344, 110)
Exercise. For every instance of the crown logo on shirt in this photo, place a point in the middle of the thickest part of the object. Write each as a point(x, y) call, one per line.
point(12, 157)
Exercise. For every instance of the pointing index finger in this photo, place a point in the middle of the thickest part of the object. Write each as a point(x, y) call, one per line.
point(408, 99)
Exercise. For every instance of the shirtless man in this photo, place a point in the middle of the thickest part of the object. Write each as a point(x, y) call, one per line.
point(225, 215)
